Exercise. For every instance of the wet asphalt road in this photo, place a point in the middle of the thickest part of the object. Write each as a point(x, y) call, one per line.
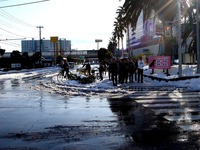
point(31, 119)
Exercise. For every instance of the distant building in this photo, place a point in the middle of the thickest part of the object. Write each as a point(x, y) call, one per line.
point(46, 45)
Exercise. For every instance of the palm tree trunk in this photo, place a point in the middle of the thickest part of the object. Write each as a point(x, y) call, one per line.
point(122, 47)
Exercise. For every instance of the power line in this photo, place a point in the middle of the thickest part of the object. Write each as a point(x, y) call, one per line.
point(10, 32)
point(14, 19)
point(10, 43)
point(23, 4)
point(12, 39)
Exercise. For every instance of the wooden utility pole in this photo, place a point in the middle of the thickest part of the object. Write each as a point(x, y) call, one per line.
point(40, 38)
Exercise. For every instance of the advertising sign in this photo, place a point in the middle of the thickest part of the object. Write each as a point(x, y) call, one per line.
point(54, 39)
point(159, 62)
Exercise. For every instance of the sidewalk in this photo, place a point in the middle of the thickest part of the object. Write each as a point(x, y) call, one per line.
point(188, 72)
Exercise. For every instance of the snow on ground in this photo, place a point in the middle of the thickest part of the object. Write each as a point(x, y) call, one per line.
point(106, 85)
point(187, 71)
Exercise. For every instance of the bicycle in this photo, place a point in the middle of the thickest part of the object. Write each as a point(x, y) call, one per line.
point(60, 76)
point(96, 74)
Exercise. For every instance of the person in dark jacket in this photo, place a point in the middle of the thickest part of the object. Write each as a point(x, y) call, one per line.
point(114, 71)
point(101, 70)
point(132, 70)
point(126, 69)
point(136, 68)
point(109, 71)
point(65, 68)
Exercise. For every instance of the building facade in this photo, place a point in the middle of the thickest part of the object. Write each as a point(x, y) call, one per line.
point(144, 39)
point(45, 45)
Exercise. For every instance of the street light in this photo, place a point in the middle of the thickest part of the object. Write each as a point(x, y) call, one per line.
point(98, 41)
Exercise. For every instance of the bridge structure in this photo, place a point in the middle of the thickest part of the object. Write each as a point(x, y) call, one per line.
point(77, 54)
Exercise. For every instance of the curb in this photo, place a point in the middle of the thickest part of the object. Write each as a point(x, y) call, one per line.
point(173, 79)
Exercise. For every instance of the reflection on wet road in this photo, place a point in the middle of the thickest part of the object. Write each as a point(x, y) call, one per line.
point(33, 119)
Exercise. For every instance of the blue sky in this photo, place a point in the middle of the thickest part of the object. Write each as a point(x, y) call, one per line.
point(81, 21)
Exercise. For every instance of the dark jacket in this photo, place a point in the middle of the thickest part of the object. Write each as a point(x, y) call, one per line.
point(113, 68)
point(65, 66)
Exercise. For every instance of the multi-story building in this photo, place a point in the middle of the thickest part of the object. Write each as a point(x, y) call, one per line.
point(143, 40)
point(45, 45)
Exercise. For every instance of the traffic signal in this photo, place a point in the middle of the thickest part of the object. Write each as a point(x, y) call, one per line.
point(168, 31)
point(168, 28)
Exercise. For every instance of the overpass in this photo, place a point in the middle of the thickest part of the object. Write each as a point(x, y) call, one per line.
point(78, 54)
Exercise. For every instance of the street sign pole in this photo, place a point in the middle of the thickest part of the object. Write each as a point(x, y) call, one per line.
point(197, 34)
point(179, 39)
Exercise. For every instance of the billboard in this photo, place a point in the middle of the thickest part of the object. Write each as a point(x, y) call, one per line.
point(54, 39)
point(159, 62)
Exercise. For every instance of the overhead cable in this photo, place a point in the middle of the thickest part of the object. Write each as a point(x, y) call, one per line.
point(23, 4)
point(11, 32)
point(14, 19)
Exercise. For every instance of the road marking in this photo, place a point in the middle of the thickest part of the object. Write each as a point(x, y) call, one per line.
point(180, 107)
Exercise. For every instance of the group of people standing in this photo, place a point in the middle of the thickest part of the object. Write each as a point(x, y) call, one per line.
point(124, 70)
point(120, 70)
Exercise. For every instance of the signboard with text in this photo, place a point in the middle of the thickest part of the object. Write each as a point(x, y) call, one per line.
point(159, 62)
point(54, 39)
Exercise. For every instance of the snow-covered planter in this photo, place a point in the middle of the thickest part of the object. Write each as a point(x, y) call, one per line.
point(72, 76)
point(86, 79)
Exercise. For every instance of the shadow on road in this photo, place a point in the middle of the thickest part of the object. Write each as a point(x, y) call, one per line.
point(147, 129)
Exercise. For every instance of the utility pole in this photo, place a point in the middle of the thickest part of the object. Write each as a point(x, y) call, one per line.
point(197, 33)
point(40, 37)
point(179, 39)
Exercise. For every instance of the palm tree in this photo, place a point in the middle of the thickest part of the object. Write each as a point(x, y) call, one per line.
point(116, 34)
point(165, 9)
point(121, 22)
point(112, 45)
point(189, 28)
point(126, 24)
point(119, 31)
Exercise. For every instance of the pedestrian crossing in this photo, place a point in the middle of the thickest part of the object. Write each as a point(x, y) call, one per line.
point(177, 106)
